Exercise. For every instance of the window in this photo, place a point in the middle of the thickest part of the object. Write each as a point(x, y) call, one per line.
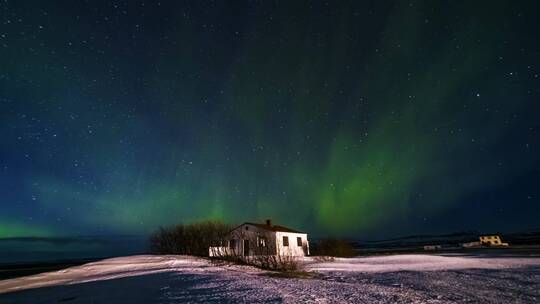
point(285, 241)
point(299, 241)
point(247, 228)
point(261, 241)
point(232, 244)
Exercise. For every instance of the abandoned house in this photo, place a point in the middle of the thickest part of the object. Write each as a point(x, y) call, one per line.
point(251, 239)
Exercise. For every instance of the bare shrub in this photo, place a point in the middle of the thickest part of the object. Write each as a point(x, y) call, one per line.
point(275, 262)
point(332, 247)
point(190, 239)
point(287, 263)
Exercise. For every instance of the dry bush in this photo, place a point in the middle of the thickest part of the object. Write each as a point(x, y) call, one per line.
point(326, 248)
point(268, 257)
point(283, 263)
point(190, 239)
point(288, 264)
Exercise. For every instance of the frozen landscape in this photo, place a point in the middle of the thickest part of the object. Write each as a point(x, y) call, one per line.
point(381, 279)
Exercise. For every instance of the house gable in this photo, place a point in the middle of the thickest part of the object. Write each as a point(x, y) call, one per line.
point(269, 227)
point(265, 239)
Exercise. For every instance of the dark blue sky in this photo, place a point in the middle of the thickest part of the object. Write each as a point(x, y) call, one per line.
point(356, 118)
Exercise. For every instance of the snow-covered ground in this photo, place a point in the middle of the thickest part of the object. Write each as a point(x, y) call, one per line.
point(383, 279)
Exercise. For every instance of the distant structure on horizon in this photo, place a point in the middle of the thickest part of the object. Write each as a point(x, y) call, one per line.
point(492, 240)
point(475, 244)
point(432, 247)
point(252, 239)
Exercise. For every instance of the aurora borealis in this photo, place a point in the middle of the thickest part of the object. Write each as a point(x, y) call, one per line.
point(353, 118)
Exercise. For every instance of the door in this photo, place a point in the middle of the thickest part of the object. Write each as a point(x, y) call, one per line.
point(246, 247)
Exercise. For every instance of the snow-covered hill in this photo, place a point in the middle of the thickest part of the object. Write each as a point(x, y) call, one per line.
point(387, 279)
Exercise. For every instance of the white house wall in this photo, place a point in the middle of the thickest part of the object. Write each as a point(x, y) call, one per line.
point(274, 240)
point(293, 249)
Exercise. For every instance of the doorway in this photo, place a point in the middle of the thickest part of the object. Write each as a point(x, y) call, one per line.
point(246, 247)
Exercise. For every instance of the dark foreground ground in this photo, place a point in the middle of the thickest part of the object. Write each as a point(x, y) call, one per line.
point(466, 286)
point(384, 279)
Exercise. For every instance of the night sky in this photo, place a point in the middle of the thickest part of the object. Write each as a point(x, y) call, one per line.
point(346, 118)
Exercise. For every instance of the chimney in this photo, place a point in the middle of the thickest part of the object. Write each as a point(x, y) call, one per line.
point(269, 222)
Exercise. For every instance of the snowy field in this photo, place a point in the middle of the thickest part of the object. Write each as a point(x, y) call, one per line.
point(382, 279)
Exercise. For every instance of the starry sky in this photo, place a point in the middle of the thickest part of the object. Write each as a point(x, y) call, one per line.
point(347, 118)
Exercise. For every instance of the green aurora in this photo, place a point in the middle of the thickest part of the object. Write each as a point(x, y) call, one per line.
point(337, 121)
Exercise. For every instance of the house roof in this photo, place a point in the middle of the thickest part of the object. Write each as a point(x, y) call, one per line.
point(275, 228)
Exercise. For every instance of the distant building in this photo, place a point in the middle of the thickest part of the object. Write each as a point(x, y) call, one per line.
point(471, 245)
point(432, 247)
point(492, 240)
point(251, 239)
